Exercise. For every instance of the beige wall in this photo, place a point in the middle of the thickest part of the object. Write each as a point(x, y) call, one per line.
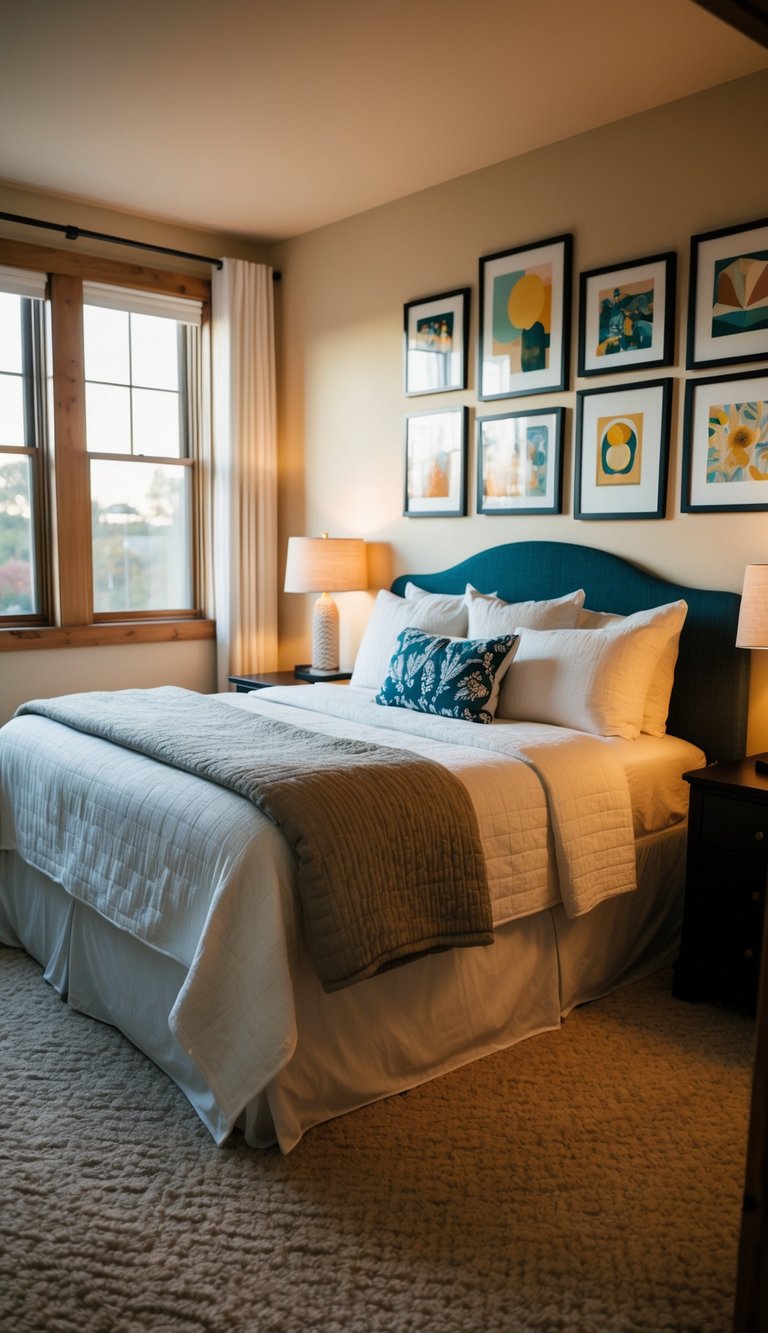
point(631, 189)
point(62, 210)
point(58, 671)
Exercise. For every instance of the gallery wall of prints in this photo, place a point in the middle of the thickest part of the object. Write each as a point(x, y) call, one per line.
point(620, 436)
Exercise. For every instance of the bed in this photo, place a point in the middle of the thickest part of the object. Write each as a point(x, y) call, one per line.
point(166, 903)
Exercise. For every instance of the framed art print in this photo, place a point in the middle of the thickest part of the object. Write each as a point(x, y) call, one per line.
point(728, 300)
point(520, 462)
point(725, 443)
point(622, 451)
point(436, 342)
point(627, 316)
point(525, 319)
point(436, 463)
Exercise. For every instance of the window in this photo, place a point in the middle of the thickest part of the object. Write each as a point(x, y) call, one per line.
point(100, 399)
point(140, 469)
point(21, 382)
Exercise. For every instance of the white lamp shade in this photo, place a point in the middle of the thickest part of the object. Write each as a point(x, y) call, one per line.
point(326, 564)
point(752, 630)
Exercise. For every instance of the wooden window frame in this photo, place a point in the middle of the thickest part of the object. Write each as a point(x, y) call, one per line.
point(33, 364)
point(65, 547)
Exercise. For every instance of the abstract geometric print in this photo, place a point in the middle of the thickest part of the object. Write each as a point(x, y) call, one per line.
point(619, 454)
point(740, 294)
point(522, 317)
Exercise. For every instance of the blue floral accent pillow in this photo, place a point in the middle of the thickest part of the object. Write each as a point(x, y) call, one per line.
point(451, 677)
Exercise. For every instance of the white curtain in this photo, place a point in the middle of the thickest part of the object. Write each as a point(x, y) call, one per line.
point(245, 557)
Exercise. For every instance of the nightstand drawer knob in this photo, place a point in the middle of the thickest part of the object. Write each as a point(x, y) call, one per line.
point(749, 953)
point(756, 896)
point(759, 836)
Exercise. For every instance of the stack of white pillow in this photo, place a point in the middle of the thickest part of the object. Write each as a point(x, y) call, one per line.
point(592, 671)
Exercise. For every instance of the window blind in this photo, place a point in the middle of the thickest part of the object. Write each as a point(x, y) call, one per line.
point(23, 282)
point(185, 310)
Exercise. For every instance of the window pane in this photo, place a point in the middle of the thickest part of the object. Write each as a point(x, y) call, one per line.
point(10, 332)
point(141, 536)
point(105, 335)
point(156, 423)
point(108, 419)
point(17, 572)
point(155, 352)
point(12, 410)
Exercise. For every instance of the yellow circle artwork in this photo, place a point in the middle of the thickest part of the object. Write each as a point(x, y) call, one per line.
point(619, 451)
point(527, 301)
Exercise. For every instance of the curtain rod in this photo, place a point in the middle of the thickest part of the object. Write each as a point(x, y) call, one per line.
point(74, 233)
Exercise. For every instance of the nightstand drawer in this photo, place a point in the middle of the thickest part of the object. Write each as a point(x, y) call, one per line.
point(738, 826)
point(730, 945)
point(729, 883)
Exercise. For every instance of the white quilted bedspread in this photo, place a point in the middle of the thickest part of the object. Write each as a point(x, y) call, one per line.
point(198, 873)
point(517, 776)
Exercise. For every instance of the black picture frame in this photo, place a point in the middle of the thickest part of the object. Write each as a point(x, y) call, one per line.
point(525, 319)
point(436, 343)
point(511, 479)
point(436, 463)
point(621, 466)
point(728, 296)
point(627, 315)
point(725, 444)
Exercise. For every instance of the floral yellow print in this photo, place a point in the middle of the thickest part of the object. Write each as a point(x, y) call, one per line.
point(738, 442)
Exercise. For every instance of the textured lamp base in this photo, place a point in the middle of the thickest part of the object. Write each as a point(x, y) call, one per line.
point(325, 635)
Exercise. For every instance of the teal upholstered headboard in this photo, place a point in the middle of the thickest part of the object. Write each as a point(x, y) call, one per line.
point(710, 696)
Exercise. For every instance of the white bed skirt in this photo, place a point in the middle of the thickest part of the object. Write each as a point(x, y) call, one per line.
point(382, 1036)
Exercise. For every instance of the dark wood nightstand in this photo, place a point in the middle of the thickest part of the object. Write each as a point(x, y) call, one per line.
point(725, 884)
point(263, 679)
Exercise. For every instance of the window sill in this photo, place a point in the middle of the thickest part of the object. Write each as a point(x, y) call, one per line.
point(31, 638)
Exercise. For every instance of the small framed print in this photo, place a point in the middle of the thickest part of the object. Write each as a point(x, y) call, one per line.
point(436, 464)
point(728, 298)
point(627, 316)
point(436, 342)
point(520, 462)
point(725, 444)
point(525, 319)
point(622, 451)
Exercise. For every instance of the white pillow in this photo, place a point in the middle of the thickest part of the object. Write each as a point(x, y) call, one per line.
point(489, 616)
point(389, 616)
point(597, 619)
point(593, 680)
point(671, 617)
point(450, 602)
point(452, 606)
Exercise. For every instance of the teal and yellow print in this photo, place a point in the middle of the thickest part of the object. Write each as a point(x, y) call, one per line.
point(522, 317)
point(738, 442)
point(619, 450)
point(625, 319)
point(740, 294)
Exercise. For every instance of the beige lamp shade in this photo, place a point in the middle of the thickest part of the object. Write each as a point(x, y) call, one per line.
point(326, 564)
point(752, 631)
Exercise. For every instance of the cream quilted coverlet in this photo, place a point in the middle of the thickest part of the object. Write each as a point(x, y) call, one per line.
point(389, 863)
point(198, 873)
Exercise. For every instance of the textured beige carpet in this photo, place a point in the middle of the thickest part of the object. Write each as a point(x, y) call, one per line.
point(585, 1180)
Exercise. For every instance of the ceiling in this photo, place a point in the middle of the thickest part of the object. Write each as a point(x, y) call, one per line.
point(268, 118)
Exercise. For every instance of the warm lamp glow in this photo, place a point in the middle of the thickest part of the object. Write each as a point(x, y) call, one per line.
point(325, 564)
point(752, 630)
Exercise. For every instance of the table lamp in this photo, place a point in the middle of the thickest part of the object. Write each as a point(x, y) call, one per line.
point(752, 630)
point(325, 565)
